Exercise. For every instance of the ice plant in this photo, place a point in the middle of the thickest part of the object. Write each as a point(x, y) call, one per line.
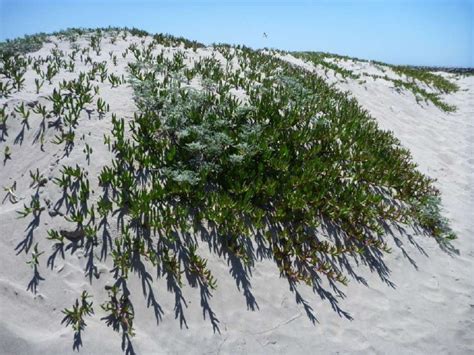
point(238, 149)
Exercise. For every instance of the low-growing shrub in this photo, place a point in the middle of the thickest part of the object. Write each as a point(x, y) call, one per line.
point(294, 171)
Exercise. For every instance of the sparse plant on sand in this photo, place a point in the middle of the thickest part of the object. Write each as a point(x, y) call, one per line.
point(5, 88)
point(34, 262)
point(114, 80)
point(74, 317)
point(102, 107)
point(11, 195)
point(7, 154)
point(39, 83)
point(37, 179)
point(24, 113)
point(51, 71)
point(3, 118)
point(120, 311)
point(34, 208)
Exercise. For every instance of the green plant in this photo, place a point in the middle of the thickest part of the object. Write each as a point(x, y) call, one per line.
point(34, 208)
point(198, 266)
point(5, 88)
point(114, 80)
point(18, 79)
point(412, 77)
point(55, 236)
point(40, 110)
point(37, 179)
point(120, 310)
point(436, 81)
point(24, 112)
point(102, 107)
point(39, 83)
point(51, 71)
point(74, 317)
point(34, 262)
point(7, 154)
point(277, 168)
point(11, 193)
point(3, 118)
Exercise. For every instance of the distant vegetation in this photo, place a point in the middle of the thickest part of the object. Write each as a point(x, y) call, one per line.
point(235, 149)
point(411, 78)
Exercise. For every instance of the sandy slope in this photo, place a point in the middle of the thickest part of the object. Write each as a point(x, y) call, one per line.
point(425, 305)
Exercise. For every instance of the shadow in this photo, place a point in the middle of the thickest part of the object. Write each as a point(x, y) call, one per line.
point(127, 345)
point(106, 238)
point(40, 132)
point(242, 275)
point(77, 341)
point(25, 244)
point(206, 308)
point(3, 132)
point(179, 301)
point(58, 250)
point(36, 279)
point(300, 300)
point(21, 135)
point(90, 268)
point(241, 271)
point(147, 287)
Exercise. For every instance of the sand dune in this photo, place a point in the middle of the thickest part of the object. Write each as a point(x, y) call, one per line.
point(421, 303)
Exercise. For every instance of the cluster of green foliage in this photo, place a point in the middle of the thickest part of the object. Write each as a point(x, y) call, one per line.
point(427, 96)
point(319, 58)
point(411, 77)
point(269, 170)
point(75, 316)
point(24, 45)
point(436, 81)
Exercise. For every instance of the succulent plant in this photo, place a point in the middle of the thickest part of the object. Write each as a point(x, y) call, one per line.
point(270, 167)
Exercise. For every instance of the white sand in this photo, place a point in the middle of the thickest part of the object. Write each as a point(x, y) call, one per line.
point(427, 309)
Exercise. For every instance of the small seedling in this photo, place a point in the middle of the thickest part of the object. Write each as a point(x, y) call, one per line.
point(120, 310)
point(40, 110)
point(7, 154)
point(34, 208)
point(3, 118)
point(34, 262)
point(11, 193)
point(102, 107)
point(37, 180)
point(39, 83)
point(24, 112)
point(75, 316)
point(114, 80)
point(5, 88)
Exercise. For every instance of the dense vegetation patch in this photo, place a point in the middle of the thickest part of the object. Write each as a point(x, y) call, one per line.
point(233, 148)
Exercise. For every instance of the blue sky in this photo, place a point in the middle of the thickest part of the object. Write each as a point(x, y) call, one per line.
point(419, 32)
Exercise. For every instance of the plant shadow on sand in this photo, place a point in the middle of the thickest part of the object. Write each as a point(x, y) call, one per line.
point(255, 250)
point(241, 261)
